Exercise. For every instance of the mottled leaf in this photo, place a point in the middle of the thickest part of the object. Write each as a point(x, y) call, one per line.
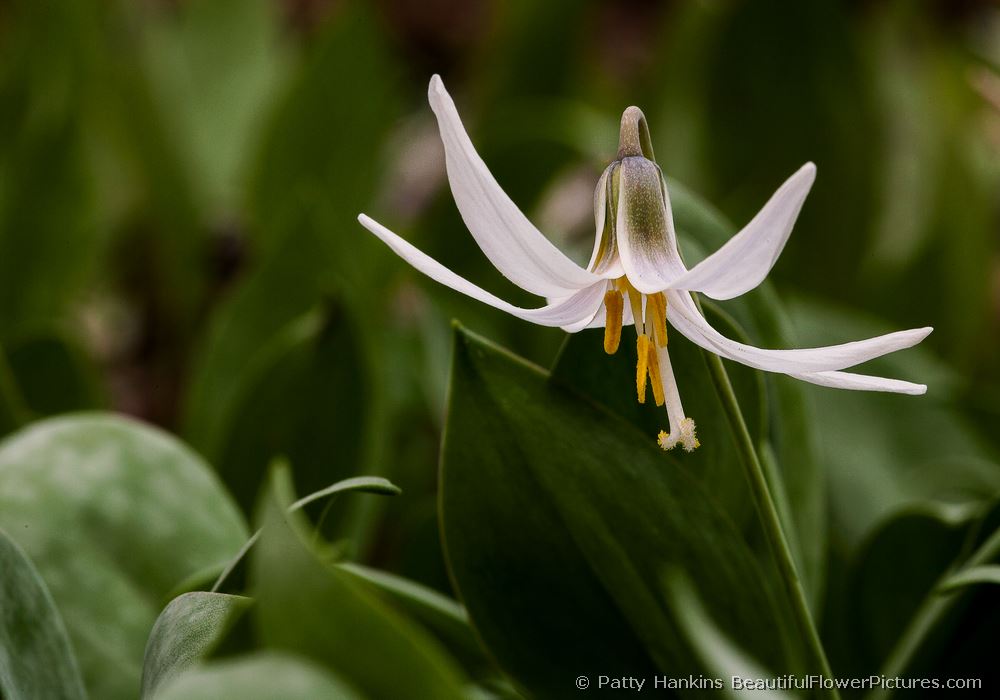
point(184, 633)
point(36, 659)
point(114, 514)
point(258, 676)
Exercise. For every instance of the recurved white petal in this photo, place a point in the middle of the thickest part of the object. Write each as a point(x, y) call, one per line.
point(647, 243)
point(746, 258)
point(573, 311)
point(685, 317)
point(511, 242)
point(862, 382)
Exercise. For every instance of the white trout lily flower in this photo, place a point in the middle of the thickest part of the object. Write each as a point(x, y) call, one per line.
point(636, 257)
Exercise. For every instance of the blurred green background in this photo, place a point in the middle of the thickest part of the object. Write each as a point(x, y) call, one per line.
point(179, 183)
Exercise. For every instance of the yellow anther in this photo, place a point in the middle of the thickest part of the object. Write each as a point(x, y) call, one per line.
point(656, 317)
point(614, 305)
point(642, 368)
point(654, 373)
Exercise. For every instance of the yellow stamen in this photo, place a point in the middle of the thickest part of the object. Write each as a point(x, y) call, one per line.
point(613, 304)
point(656, 317)
point(642, 350)
point(654, 374)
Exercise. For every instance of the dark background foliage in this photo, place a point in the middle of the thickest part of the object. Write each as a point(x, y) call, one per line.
point(179, 183)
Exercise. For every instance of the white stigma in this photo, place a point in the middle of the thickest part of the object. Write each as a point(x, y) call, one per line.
point(684, 436)
point(682, 428)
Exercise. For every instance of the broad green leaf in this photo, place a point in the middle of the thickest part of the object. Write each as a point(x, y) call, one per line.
point(302, 398)
point(950, 632)
point(971, 577)
point(284, 287)
point(442, 616)
point(149, 195)
point(114, 514)
point(895, 570)
point(314, 171)
point(49, 239)
point(765, 115)
point(184, 633)
point(723, 659)
point(258, 676)
point(36, 658)
point(308, 606)
point(584, 367)
point(215, 93)
point(54, 375)
point(558, 518)
point(14, 413)
point(321, 147)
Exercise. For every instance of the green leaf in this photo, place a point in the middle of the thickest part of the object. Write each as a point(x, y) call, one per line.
point(722, 658)
point(321, 148)
point(971, 577)
point(442, 616)
point(307, 606)
point(363, 484)
point(212, 91)
point(302, 398)
point(894, 571)
point(315, 170)
point(283, 288)
point(114, 514)
point(258, 676)
point(558, 517)
point(13, 411)
point(949, 633)
point(36, 659)
point(49, 238)
point(54, 375)
point(184, 634)
point(584, 367)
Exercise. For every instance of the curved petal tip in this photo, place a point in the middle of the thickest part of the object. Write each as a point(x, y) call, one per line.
point(436, 85)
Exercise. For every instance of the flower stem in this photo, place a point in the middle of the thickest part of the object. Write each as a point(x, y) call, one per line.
point(770, 521)
point(931, 611)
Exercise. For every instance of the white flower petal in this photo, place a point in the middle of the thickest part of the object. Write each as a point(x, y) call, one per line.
point(746, 258)
point(573, 311)
point(685, 317)
point(518, 249)
point(647, 243)
point(862, 382)
point(604, 260)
